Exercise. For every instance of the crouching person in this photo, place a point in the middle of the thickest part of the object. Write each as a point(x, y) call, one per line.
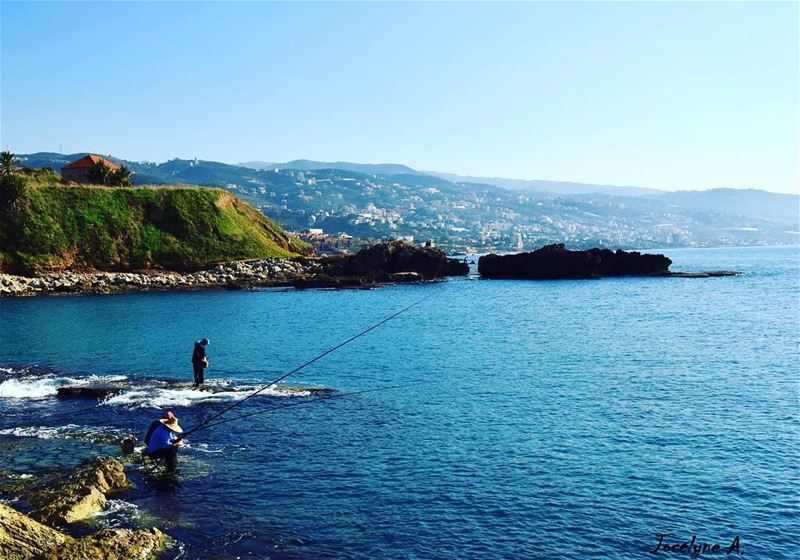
point(162, 440)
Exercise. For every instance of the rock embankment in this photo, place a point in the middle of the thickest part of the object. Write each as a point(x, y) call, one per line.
point(555, 262)
point(255, 273)
point(385, 262)
point(67, 498)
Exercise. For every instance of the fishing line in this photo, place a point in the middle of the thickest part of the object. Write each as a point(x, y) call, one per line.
point(298, 368)
point(308, 401)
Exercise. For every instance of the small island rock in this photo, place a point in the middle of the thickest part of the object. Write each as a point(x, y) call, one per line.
point(555, 262)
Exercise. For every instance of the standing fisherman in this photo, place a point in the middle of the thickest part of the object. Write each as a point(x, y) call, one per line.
point(199, 361)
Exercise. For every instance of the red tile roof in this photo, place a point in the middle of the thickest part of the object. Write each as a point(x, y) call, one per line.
point(89, 161)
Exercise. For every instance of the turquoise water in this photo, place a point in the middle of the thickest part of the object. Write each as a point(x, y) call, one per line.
point(554, 419)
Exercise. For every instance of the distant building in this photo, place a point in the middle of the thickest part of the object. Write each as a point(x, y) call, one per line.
point(80, 171)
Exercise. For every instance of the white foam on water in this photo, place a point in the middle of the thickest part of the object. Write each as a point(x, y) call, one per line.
point(47, 386)
point(29, 388)
point(116, 513)
point(203, 448)
point(156, 397)
point(40, 432)
point(94, 434)
point(93, 380)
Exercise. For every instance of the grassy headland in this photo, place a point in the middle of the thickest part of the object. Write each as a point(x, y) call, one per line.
point(52, 226)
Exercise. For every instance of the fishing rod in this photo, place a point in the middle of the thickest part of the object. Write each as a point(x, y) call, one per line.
point(300, 367)
point(309, 401)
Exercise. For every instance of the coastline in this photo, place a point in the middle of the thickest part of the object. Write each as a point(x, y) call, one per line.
point(234, 275)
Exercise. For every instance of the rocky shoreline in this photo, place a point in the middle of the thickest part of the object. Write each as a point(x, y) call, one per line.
point(394, 262)
point(68, 498)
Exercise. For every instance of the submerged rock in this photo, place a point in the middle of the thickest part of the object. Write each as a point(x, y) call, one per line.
point(23, 538)
point(705, 274)
point(77, 494)
point(88, 392)
point(555, 261)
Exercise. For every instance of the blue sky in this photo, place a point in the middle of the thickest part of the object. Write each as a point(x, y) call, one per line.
point(668, 95)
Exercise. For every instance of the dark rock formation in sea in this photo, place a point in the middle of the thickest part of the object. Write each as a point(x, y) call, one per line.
point(88, 392)
point(22, 538)
point(77, 494)
point(555, 261)
point(385, 259)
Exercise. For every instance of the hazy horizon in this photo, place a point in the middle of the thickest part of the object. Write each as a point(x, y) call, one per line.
point(670, 96)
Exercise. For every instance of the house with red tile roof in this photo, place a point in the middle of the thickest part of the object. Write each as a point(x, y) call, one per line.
point(80, 171)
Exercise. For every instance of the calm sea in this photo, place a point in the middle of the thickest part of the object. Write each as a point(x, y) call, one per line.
point(558, 419)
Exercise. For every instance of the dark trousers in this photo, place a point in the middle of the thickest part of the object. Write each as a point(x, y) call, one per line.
point(169, 455)
point(198, 374)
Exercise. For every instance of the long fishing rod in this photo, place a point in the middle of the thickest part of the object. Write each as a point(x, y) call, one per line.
point(298, 368)
point(308, 401)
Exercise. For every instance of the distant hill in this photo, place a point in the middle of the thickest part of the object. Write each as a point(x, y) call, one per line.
point(176, 228)
point(482, 216)
point(742, 202)
point(550, 187)
point(308, 165)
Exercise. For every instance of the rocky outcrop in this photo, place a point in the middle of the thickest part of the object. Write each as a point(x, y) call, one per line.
point(78, 494)
point(386, 259)
point(112, 544)
point(385, 262)
point(23, 538)
point(555, 261)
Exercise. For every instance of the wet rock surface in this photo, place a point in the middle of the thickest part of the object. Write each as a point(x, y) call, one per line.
point(556, 262)
point(112, 544)
point(23, 538)
point(78, 494)
point(66, 498)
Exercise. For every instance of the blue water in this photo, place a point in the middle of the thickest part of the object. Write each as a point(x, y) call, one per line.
point(558, 419)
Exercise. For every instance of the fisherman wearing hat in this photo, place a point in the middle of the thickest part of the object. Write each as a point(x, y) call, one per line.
point(162, 440)
point(199, 361)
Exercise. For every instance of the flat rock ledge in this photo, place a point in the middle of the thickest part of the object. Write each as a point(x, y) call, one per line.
point(67, 498)
point(391, 262)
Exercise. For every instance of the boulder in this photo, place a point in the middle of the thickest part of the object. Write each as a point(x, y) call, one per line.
point(77, 494)
point(22, 538)
point(392, 258)
point(555, 261)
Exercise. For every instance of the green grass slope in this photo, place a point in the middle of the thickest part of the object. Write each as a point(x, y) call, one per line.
point(175, 228)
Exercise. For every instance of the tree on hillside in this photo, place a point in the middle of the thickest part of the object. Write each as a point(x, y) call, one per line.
point(122, 177)
point(9, 163)
point(100, 173)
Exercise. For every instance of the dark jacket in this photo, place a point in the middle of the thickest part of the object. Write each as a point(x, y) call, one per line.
point(150, 430)
point(198, 354)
